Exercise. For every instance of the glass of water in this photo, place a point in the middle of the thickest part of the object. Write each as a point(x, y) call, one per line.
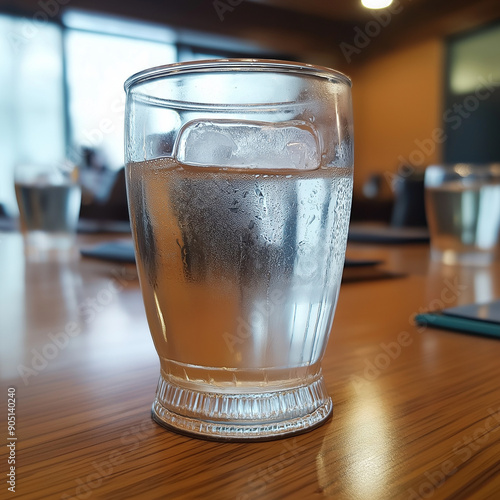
point(239, 179)
point(462, 204)
point(48, 197)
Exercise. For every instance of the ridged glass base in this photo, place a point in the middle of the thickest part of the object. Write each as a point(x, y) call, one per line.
point(241, 417)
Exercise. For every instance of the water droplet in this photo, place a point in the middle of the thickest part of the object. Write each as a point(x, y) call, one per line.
point(310, 221)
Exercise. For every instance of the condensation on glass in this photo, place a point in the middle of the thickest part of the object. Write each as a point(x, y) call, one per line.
point(239, 177)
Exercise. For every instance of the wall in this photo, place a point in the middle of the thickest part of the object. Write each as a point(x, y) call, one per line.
point(397, 100)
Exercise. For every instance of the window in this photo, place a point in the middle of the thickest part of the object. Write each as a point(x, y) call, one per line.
point(61, 84)
point(97, 66)
point(31, 98)
point(472, 108)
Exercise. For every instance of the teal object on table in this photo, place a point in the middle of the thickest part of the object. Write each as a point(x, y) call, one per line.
point(479, 319)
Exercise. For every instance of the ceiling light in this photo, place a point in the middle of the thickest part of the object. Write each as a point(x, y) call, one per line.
point(376, 4)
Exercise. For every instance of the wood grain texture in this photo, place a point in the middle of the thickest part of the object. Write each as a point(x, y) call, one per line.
point(416, 415)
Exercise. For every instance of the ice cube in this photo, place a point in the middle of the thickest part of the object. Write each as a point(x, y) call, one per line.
point(249, 144)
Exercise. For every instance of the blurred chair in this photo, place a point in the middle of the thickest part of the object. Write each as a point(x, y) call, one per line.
point(409, 201)
point(376, 202)
point(113, 207)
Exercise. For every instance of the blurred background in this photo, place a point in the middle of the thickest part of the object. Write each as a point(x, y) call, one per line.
point(426, 80)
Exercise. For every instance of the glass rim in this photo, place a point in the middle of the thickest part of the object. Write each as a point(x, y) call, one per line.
point(470, 167)
point(467, 173)
point(224, 65)
point(465, 164)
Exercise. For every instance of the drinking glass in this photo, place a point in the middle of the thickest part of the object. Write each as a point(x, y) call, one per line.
point(463, 212)
point(239, 181)
point(49, 198)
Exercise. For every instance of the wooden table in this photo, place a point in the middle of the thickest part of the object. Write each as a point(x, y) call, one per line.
point(416, 410)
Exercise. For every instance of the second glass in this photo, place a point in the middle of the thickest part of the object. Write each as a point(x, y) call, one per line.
point(239, 178)
point(49, 198)
point(463, 212)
